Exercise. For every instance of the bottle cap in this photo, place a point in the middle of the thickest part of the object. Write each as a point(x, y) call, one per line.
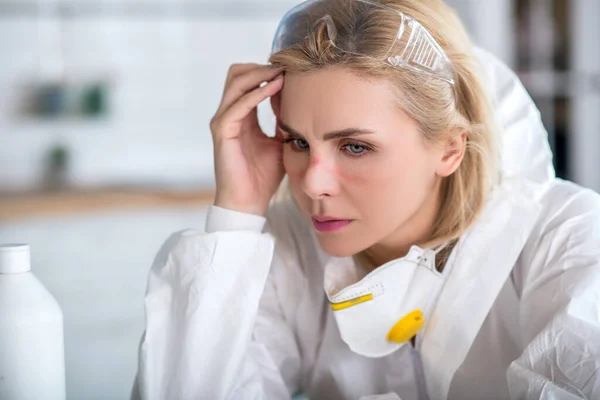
point(14, 258)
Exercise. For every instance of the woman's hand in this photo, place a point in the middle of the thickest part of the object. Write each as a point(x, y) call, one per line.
point(248, 163)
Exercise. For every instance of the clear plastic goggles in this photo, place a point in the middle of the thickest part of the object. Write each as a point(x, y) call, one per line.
point(413, 47)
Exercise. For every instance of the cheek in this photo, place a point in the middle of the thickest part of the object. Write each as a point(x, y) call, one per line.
point(373, 189)
point(361, 172)
point(342, 169)
point(369, 173)
point(348, 176)
point(393, 181)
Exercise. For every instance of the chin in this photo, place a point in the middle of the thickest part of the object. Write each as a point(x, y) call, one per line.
point(338, 247)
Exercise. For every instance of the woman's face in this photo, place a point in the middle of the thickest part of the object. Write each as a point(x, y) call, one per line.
point(352, 155)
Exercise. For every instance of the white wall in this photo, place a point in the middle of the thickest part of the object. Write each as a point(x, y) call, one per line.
point(166, 77)
point(490, 24)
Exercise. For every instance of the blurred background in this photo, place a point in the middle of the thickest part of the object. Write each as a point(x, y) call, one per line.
point(105, 148)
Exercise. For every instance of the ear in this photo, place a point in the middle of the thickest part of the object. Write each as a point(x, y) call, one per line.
point(453, 154)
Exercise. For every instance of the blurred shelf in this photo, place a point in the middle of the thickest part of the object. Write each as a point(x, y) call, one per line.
point(26, 205)
point(145, 9)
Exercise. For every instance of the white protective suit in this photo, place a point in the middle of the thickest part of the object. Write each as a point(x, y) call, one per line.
point(240, 313)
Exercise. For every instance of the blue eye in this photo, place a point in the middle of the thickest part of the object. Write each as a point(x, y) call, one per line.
point(301, 143)
point(356, 149)
point(351, 149)
point(297, 144)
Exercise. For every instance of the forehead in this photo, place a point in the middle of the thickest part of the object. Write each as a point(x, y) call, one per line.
point(335, 98)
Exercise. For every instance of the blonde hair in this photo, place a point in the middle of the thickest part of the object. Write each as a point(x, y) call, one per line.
point(439, 109)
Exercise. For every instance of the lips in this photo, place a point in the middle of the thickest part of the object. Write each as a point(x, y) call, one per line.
point(326, 224)
point(325, 218)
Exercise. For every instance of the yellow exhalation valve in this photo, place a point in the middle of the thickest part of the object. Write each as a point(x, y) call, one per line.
point(407, 327)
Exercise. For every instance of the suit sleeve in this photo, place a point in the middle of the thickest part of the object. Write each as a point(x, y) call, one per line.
point(214, 328)
point(560, 308)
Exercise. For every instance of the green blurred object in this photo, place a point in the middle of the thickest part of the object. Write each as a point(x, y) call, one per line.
point(57, 167)
point(59, 157)
point(94, 100)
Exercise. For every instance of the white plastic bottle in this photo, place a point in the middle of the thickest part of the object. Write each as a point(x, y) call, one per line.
point(32, 361)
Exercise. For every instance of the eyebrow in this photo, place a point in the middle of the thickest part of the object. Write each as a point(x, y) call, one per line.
point(344, 133)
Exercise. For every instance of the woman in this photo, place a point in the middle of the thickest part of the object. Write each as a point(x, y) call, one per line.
point(409, 261)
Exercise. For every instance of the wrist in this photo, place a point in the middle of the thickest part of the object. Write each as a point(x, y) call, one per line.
point(221, 219)
point(254, 209)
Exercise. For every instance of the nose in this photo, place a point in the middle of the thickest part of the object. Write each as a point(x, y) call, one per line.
point(320, 181)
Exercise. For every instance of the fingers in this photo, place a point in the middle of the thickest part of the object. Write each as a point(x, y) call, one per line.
point(243, 79)
point(240, 109)
point(236, 70)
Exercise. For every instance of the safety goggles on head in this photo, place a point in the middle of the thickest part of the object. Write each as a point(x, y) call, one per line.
point(413, 47)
